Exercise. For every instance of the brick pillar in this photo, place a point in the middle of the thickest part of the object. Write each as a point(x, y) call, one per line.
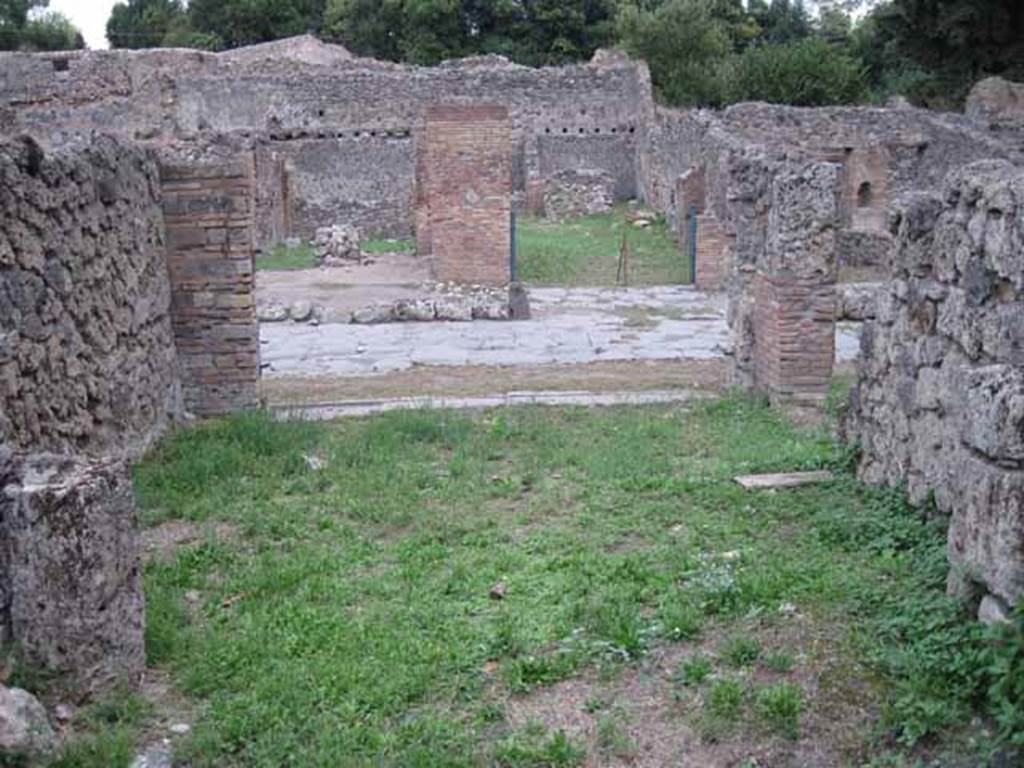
point(794, 287)
point(208, 212)
point(713, 253)
point(464, 192)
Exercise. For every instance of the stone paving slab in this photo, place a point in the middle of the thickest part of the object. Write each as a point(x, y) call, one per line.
point(569, 326)
point(352, 408)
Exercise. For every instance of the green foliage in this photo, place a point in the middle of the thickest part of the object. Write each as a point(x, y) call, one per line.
point(937, 49)
point(429, 31)
point(695, 670)
point(781, 706)
point(346, 620)
point(724, 699)
point(146, 23)
point(234, 23)
point(779, 661)
point(26, 26)
point(807, 73)
point(1005, 672)
point(533, 749)
point(741, 650)
point(283, 258)
point(686, 47)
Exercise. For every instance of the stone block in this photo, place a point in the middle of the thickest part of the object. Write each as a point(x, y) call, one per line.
point(992, 418)
point(71, 569)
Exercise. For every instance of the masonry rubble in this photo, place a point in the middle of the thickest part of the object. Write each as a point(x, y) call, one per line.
point(337, 245)
point(573, 194)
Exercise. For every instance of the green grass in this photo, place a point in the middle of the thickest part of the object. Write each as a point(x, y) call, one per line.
point(282, 258)
point(383, 245)
point(585, 252)
point(347, 618)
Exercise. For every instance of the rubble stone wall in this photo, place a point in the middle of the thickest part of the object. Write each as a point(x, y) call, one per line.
point(87, 356)
point(939, 402)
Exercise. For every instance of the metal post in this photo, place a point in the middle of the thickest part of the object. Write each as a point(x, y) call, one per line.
point(513, 252)
point(693, 244)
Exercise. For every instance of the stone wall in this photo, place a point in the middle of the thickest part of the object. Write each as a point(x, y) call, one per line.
point(342, 122)
point(939, 403)
point(466, 183)
point(87, 358)
point(208, 211)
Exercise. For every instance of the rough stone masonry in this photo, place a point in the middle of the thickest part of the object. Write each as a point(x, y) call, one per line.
point(939, 403)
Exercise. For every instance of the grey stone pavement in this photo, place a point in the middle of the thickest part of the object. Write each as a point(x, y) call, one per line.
point(569, 326)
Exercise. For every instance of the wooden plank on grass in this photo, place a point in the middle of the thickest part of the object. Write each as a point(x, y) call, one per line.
point(784, 480)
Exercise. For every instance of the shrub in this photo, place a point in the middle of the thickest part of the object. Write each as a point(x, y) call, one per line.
point(806, 73)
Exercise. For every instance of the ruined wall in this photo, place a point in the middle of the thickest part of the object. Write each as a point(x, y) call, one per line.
point(341, 121)
point(87, 358)
point(939, 403)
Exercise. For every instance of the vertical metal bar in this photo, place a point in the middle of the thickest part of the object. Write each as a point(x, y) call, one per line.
point(693, 244)
point(513, 266)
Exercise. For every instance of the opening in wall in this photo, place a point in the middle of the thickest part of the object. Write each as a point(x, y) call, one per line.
point(864, 195)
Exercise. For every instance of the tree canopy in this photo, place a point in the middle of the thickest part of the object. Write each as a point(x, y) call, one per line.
point(26, 25)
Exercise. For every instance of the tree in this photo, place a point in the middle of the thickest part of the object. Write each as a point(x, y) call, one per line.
point(781, 21)
point(25, 26)
point(686, 47)
point(145, 23)
point(234, 23)
point(805, 73)
point(51, 31)
point(944, 46)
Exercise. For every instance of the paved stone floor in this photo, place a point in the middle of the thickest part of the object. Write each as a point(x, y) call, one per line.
point(569, 326)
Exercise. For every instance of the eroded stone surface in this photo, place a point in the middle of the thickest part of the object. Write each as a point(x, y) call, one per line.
point(939, 405)
point(70, 574)
point(24, 728)
point(572, 194)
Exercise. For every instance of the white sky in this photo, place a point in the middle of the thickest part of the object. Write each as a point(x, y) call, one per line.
point(90, 16)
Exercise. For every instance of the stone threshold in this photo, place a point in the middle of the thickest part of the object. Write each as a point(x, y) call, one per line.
point(353, 408)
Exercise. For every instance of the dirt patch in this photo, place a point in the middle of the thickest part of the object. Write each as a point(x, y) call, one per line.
point(659, 720)
point(161, 543)
point(383, 279)
point(468, 381)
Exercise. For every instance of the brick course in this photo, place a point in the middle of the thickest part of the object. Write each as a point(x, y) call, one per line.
point(208, 213)
point(464, 192)
point(713, 253)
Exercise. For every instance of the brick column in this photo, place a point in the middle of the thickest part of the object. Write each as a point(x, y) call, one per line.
point(464, 192)
point(794, 287)
point(713, 254)
point(208, 212)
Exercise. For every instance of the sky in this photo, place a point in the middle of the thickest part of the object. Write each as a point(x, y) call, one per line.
point(90, 16)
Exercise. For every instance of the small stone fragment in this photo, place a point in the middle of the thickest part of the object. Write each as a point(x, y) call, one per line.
point(24, 729)
point(498, 591)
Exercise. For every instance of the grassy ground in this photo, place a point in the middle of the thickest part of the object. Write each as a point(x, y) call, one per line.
point(324, 595)
point(282, 258)
point(586, 252)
